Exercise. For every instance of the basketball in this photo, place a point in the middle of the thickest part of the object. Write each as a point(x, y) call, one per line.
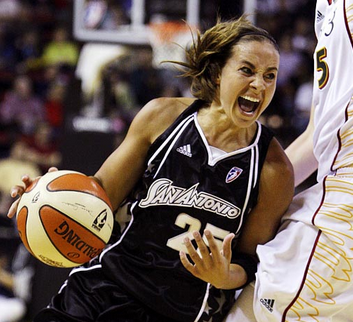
point(64, 218)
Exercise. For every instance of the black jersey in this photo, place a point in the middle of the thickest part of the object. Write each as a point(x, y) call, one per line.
point(184, 190)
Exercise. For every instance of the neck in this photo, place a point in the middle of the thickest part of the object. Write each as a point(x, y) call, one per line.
point(220, 132)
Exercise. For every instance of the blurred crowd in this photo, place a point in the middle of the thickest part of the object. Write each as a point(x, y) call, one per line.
point(39, 85)
point(37, 58)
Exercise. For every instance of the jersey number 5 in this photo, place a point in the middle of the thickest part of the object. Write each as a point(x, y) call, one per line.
point(194, 224)
point(321, 66)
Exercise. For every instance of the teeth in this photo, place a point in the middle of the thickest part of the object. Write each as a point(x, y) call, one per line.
point(251, 99)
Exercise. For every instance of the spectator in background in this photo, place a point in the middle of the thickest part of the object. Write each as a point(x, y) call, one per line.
point(302, 106)
point(7, 52)
point(11, 10)
point(48, 77)
point(146, 80)
point(276, 6)
point(28, 50)
point(54, 106)
point(60, 51)
point(118, 97)
point(40, 148)
point(290, 61)
point(302, 37)
point(21, 107)
point(106, 14)
point(115, 16)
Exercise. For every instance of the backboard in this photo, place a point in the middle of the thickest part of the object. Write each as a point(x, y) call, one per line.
point(127, 21)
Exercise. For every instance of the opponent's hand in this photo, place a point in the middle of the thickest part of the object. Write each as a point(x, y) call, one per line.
point(210, 264)
point(18, 190)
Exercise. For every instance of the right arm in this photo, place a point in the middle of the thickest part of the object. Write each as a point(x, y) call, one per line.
point(122, 169)
point(300, 153)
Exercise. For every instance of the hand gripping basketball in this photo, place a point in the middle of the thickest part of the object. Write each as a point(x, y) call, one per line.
point(64, 218)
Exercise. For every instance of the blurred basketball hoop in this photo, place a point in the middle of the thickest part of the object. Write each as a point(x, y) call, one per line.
point(168, 40)
point(88, 16)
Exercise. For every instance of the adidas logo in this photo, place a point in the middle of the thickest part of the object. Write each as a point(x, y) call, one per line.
point(319, 16)
point(186, 150)
point(268, 304)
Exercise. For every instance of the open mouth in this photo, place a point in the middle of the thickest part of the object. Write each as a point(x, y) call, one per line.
point(248, 104)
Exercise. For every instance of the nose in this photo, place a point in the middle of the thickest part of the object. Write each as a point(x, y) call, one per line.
point(257, 83)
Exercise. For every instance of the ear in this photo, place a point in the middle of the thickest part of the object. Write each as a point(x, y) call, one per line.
point(218, 80)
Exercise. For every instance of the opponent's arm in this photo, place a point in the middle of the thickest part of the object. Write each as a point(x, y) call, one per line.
point(300, 153)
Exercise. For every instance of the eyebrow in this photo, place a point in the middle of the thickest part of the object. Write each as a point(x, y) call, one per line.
point(253, 67)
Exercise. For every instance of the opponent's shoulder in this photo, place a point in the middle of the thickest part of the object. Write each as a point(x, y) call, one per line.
point(158, 114)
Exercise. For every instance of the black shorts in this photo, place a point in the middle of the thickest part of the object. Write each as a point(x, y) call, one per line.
point(90, 297)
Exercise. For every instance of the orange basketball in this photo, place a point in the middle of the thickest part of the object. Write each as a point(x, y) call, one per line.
point(64, 218)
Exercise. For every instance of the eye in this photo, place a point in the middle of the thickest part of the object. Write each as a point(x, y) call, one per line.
point(270, 76)
point(246, 70)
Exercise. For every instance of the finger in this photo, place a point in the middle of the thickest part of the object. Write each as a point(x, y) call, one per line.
point(195, 257)
point(202, 249)
point(52, 169)
point(186, 263)
point(227, 246)
point(13, 209)
point(216, 252)
point(26, 180)
point(17, 191)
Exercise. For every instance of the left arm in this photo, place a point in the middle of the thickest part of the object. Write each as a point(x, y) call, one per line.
point(275, 194)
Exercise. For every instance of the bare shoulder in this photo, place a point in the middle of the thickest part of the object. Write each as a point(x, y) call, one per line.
point(275, 195)
point(278, 171)
point(277, 159)
point(157, 115)
point(168, 107)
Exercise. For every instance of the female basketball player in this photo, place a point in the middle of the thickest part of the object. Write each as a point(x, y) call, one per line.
point(203, 178)
point(305, 273)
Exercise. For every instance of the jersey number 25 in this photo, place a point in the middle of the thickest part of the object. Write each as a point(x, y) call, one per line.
point(194, 224)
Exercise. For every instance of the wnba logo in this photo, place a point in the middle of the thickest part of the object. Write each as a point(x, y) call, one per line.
point(100, 220)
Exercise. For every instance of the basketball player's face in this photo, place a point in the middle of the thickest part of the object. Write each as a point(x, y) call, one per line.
point(248, 81)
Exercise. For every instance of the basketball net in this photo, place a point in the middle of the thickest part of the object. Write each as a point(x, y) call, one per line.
point(168, 40)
